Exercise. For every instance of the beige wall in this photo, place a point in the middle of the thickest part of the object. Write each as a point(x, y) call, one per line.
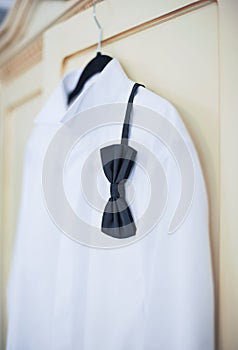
point(188, 51)
point(1, 218)
point(228, 174)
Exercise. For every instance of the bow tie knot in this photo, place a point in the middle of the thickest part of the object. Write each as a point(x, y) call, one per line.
point(117, 190)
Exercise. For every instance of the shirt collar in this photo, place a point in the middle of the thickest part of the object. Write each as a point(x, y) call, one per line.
point(110, 85)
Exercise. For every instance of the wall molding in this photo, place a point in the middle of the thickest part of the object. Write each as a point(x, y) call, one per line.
point(18, 55)
point(15, 22)
point(24, 60)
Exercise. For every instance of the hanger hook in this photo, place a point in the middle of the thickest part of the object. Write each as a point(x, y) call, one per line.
point(99, 27)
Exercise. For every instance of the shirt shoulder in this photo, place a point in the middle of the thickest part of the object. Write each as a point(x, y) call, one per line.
point(165, 109)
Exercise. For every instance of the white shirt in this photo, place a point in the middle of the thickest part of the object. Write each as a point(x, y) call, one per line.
point(156, 293)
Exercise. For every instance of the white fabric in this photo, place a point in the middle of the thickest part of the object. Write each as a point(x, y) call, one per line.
point(156, 294)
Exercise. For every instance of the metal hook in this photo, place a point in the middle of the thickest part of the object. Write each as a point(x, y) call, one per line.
point(99, 27)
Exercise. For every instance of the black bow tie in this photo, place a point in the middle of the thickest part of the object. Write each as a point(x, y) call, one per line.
point(118, 161)
point(117, 220)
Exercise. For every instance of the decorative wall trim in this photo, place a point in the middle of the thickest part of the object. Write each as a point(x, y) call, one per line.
point(24, 60)
point(15, 22)
point(16, 57)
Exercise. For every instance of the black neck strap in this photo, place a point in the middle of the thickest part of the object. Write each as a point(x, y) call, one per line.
point(126, 125)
